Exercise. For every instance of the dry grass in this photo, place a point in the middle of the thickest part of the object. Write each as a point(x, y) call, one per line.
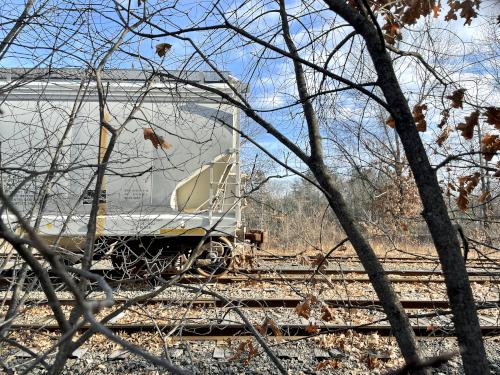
point(381, 248)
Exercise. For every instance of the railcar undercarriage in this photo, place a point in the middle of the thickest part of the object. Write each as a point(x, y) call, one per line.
point(152, 257)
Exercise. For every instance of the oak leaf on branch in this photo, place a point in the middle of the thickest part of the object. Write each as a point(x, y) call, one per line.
point(390, 122)
point(466, 185)
point(445, 114)
point(490, 145)
point(162, 49)
point(467, 127)
point(457, 98)
point(493, 116)
point(416, 9)
point(436, 8)
point(467, 10)
point(443, 136)
point(419, 117)
point(391, 31)
point(156, 140)
point(462, 199)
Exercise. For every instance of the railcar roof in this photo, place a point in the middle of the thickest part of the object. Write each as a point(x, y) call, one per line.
point(122, 75)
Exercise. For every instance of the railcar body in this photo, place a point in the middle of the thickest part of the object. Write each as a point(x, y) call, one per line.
point(173, 172)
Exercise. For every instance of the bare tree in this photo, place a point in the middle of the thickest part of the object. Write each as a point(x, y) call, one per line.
point(310, 64)
point(361, 17)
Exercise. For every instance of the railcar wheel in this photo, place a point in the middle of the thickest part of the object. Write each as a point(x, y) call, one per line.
point(216, 258)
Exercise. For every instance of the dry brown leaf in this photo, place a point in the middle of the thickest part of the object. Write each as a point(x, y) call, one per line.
point(466, 185)
point(162, 49)
point(274, 327)
point(413, 10)
point(467, 10)
point(445, 114)
point(484, 196)
point(312, 329)
point(252, 352)
point(320, 260)
point(390, 122)
point(467, 127)
point(391, 31)
point(327, 313)
point(443, 136)
point(372, 362)
point(245, 347)
point(239, 352)
point(268, 323)
point(490, 145)
point(436, 8)
point(155, 139)
point(451, 16)
point(472, 182)
point(493, 116)
point(303, 309)
point(457, 98)
point(419, 117)
point(333, 363)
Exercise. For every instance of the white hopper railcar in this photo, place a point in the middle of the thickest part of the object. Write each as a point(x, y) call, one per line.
point(173, 175)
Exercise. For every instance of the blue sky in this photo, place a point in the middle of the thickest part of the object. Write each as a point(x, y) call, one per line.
point(460, 50)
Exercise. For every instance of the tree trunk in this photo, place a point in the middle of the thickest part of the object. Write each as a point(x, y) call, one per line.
point(436, 216)
point(389, 300)
point(435, 212)
point(394, 310)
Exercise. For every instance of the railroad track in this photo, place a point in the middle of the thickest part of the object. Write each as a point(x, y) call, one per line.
point(215, 331)
point(230, 329)
point(354, 258)
point(301, 270)
point(337, 271)
point(472, 265)
point(228, 279)
point(425, 277)
point(474, 262)
point(275, 302)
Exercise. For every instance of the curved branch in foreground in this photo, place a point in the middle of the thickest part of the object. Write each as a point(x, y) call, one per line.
point(248, 325)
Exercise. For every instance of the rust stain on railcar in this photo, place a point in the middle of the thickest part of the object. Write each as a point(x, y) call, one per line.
point(101, 206)
point(181, 231)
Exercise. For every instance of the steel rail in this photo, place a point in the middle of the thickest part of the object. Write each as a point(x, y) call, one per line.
point(336, 271)
point(302, 270)
point(214, 331)
point(280, 277)
point(229, 279)
point(354, 258)
point(286, 302)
